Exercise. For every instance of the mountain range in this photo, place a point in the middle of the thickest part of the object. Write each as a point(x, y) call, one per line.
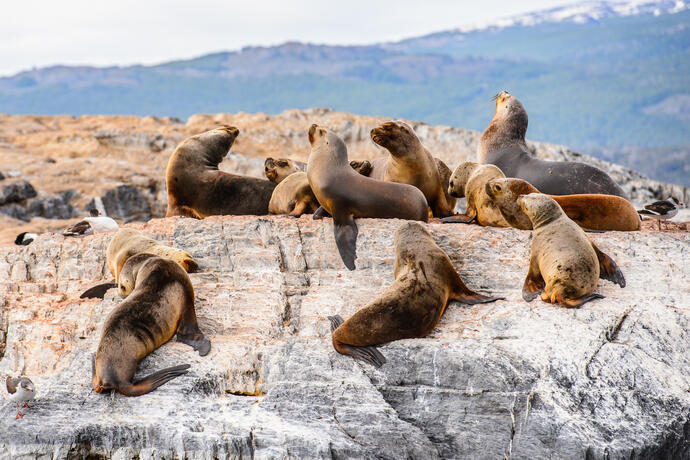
point(609, 79)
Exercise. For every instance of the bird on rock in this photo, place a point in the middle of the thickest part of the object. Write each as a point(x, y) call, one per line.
point(95, 223)
point(21, 390)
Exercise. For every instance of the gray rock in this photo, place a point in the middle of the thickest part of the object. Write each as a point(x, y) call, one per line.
point(53, 207)
point(15, 211)
point(127, 202)
point(16, 192)
point(501, 380)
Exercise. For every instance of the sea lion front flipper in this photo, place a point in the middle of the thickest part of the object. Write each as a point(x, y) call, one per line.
point(574, 303)
point(534, 282)
point(320, 213)
point(459, 219)
point(299, 209)
point(98, 291)
point(153, 381)
point(608, 270)
point(345, 231)
point(188, 331)
point(465, 295)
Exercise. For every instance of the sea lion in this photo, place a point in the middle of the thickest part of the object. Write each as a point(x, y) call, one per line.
point(425, 281)
point(346, 195)
point(564, 264)
point(197, 188)
point(160, 305)
point(293, 196)
point(128, 242)
point(276, 170)
point(411, 163)
point(469, 180)
point(589, 211)
point(503, 144)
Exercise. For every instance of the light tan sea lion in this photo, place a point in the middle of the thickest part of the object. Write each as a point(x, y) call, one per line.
point(469, 180)
point(161, 305)
point(425, 282)
point(564, 263)
point(293, 196)
point(276, 170)
point(347, 195)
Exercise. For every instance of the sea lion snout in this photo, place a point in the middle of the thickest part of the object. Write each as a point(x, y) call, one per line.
point(312, 133)
point(231, 130)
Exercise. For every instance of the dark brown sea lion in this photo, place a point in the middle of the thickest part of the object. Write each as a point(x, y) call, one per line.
point(197, 188)
point(346, 195)
point(425, 282)
point(411, 163)
point(160, 305)
point(564, 264)
point(503, 144)
point(293, 196)
point(589, 211)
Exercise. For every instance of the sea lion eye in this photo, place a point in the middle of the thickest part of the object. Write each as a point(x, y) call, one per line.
point(282, 164)
point(498, 187)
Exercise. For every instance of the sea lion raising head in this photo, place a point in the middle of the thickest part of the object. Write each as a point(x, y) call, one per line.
point(278, 169)
point(347, 195)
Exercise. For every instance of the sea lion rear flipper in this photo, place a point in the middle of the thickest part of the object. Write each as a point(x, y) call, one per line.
point(320, 213)
point(299, 209)
point(459, 219)
point(465, 295)
point(574, 303)
point(190, 265)
point(98, 291)
point(188, 332)
point(534, 282)
point(369, 354)
point(608, 270)
point(345, 231)
point(153, 381)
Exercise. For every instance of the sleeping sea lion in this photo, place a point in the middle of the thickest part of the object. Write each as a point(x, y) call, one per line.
point(425, 282)
point(160, 305)
point(589, 211)
point(293, 196)
point(346, 195)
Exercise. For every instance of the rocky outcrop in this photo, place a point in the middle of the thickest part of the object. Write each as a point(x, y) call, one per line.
point(507, 379)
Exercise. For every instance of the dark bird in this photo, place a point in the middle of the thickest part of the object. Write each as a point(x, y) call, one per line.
point(662, 210)
point(21, 390)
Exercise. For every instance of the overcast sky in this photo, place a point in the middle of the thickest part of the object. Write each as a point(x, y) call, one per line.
point(122, 32)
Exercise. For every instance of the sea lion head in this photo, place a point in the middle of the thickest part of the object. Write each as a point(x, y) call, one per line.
point(361, 166)
point(407, 239)
point(511, 115)
point(325, 142)
point(213, 145)
point(541, 209)
point(501, 190)
point(456, 185)
point(127, 281)
point(278, 169)
point(395, 136)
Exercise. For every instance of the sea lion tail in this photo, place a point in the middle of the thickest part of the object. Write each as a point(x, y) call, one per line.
point(98, 291)
point(153, 381)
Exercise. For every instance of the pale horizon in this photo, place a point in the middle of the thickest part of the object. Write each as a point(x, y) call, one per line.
point(81, 33)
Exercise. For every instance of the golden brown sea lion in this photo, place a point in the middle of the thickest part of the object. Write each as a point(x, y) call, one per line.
point(503, 144)
point(469, 180)
point(425, 281)
point(197, 188)
point(564, 263)
point(128, 242)
point(276, 170)
point(589, 211)
point(411, 163)
point(346, 195)
point(161, 304)
point(293, 196)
